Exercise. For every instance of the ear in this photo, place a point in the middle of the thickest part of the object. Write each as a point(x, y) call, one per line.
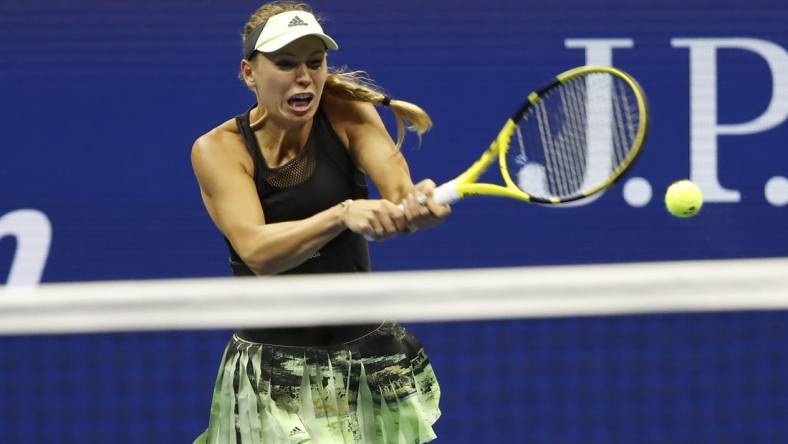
point(246, 73)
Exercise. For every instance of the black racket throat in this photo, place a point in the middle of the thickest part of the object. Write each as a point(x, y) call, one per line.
point(537, 94)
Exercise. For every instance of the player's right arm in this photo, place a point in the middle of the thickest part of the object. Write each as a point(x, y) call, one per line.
point(225, 175)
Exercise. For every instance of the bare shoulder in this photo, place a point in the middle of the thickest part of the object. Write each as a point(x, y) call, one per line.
point(349, 111)
point(217, 141)
point(350, 116)
point(220, 146)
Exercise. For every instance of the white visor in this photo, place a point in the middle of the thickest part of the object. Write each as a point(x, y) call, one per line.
point(284, 28)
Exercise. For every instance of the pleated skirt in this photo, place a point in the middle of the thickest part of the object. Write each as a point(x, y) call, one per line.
point(379, 388)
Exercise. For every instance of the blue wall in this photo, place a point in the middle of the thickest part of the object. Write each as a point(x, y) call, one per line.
point(100, 105)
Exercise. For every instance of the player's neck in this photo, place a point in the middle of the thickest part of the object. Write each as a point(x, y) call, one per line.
point(279, 143)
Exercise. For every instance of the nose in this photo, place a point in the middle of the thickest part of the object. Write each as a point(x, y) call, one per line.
point(302, 75)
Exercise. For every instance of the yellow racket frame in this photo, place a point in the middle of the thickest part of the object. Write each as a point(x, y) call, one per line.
point(466, 185)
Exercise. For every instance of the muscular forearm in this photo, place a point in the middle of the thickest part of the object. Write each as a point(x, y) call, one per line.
point(277, 247)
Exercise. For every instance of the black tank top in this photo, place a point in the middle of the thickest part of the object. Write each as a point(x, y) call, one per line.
point(321, 176)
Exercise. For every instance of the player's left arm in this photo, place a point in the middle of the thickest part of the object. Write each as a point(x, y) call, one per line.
point(373, 150)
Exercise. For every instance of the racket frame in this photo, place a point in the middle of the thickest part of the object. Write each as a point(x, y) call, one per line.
point(465, 184)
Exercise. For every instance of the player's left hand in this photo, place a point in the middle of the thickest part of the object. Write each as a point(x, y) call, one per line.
point(420, 210)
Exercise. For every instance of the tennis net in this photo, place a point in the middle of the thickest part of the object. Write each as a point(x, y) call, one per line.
point(657, 352)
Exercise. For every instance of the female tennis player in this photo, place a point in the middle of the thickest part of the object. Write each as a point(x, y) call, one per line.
point(285, 184)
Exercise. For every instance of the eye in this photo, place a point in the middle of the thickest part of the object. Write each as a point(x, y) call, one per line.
point(315, 64)
point(285, 64)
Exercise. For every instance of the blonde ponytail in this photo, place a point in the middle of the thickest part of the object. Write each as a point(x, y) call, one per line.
point(355, 85)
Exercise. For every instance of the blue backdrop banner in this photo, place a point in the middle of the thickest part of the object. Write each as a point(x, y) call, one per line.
point(101, 102)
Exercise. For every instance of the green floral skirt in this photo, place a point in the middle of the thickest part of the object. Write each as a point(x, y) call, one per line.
point(379, 388)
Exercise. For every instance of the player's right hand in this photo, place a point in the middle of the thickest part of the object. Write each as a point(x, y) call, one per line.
point(375, 219)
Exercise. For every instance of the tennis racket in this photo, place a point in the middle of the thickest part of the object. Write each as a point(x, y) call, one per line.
point(573, 137)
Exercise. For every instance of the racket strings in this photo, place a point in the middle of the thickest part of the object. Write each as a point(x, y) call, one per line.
point(557, 156)
point(572, 100)
point(549, 144)
point(578, 136)
point(571, 159)
point(627, 113)
point(557, 137)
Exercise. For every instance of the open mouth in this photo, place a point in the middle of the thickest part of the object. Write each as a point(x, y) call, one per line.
point(300, 101)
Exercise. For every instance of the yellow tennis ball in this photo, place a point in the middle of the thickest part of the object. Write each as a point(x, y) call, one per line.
point(683, 199)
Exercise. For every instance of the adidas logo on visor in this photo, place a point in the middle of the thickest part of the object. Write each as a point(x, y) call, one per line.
point(296, 22)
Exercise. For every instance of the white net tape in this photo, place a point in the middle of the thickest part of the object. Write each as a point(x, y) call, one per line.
point(662, 287)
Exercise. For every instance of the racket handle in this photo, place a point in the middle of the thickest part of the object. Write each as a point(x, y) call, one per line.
point(446, 193)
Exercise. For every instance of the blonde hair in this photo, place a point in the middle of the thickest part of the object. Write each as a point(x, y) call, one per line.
point(346, 84)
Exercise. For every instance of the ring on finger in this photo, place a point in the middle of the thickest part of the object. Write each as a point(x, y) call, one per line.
point(421, 198)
